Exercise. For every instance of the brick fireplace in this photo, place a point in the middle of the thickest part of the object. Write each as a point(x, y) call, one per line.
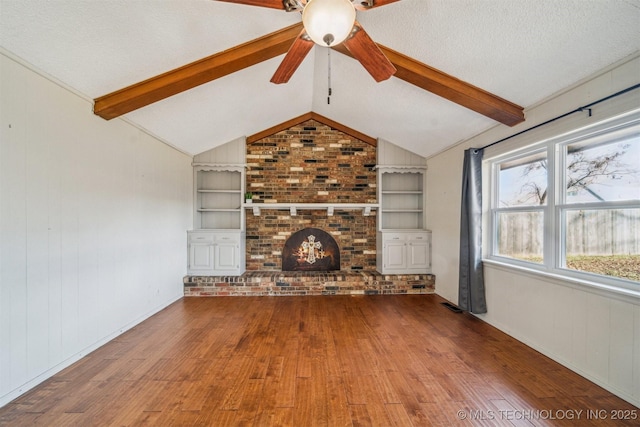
point(311, 163)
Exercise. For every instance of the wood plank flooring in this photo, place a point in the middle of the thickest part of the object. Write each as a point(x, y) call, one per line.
point(402, 360)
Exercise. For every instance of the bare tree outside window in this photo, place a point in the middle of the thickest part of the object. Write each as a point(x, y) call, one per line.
point(523, 182)
point(603, 173)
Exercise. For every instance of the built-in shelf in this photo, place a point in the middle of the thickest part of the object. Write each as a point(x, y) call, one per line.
point(401, 197)
point(218, 197)
point(294, 207)
point(216, 246)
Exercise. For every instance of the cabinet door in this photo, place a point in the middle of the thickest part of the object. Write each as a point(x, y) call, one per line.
point(418, 255)
point(200, 257)
point(226, 255)
point(394, 254)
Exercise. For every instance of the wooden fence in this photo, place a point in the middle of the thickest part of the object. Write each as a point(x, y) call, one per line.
point(589, 232)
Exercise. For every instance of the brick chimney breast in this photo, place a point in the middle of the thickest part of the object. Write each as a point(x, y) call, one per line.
point(311, 163)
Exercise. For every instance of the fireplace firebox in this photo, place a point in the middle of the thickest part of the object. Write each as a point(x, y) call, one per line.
point(311, 249)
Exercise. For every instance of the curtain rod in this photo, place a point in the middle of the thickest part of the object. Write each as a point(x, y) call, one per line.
point(583, 108)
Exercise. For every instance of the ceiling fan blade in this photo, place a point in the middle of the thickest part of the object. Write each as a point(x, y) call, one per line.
point(273, 4)
point(292, 60)
point(365, 50)
point(370, 4)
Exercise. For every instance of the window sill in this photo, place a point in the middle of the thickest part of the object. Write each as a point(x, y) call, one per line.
point(626, 294)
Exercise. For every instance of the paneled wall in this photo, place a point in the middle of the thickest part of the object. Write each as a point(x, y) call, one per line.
point(594, 333)
point(93, 220)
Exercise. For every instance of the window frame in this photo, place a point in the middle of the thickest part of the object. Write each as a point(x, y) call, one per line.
point(497, 210)
point(556, 207)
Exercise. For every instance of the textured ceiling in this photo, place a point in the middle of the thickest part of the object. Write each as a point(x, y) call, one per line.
point(520, 50)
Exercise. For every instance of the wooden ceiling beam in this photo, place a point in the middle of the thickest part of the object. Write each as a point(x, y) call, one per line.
point(277, 43)
point(451, 88)
point(196, 73)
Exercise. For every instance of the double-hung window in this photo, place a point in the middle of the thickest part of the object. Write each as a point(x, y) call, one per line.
point(521, 206)
point(571, 205)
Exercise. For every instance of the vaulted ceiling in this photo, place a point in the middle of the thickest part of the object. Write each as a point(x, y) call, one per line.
point(516, 51)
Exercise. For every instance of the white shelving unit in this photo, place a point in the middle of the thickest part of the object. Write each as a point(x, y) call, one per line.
point(219, 192)
point(401, 198)
point(403, 245)
point(217, 244)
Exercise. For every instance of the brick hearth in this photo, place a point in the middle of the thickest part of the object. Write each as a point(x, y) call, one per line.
point(272, 283)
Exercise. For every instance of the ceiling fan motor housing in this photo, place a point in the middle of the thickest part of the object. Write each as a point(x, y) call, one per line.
point(328, 22)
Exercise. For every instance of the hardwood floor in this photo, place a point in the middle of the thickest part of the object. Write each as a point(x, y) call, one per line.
point(401, 360)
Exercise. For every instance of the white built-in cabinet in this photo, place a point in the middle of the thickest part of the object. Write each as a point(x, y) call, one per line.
point(217, 244)
point(403, 245)
point(404, 252)
point(216, 252)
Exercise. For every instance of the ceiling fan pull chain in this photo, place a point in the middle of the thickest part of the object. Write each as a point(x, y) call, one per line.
point(329, 75)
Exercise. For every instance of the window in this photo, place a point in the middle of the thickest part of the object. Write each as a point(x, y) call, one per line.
point(571, 205)
point(522, 198)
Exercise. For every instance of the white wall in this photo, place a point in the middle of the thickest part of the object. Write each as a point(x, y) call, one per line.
point(93, 220)
point(595, 333)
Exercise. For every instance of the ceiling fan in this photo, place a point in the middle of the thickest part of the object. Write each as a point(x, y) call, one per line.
point(296, 41)
point(329, 23)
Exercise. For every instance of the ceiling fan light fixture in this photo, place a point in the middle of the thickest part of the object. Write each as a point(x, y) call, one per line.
point(328, 22)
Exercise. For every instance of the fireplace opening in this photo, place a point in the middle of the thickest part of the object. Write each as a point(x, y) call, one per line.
point(310, 249)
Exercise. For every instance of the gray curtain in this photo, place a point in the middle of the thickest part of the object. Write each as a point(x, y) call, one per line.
point(471, 295)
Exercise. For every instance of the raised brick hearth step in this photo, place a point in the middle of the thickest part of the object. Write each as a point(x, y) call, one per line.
point(275, 283)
